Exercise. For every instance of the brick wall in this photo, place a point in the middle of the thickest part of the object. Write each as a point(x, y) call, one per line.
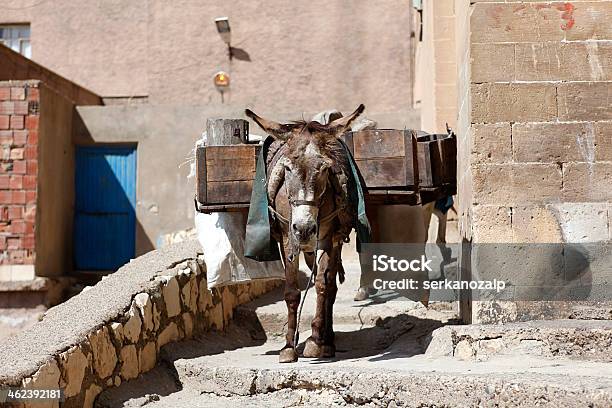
point(18, 178)
point(535, 122)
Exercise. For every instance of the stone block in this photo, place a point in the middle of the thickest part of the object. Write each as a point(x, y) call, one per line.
point(511, 23)
point(583, 222)
point(554, 61)
point(47, 375)
point(147, 358)
point(193, 297)
point(440, 343)
point(132, 327)
point(588, 22)
point(516, 183)
point(493, 312)
point(104, 354)
point(215, 316)
point(523, 102)
point(156, 317)
point(603, 141)
point(553, 142)
point(443, 8)
point(129, 362)
point(536, 224)
point(587, 182)
point(90, 395)
point(73, 364)
point(488, 347)
point(229, 302)
point(205, 297)
point(491, 223)
point(491, 143)
point(144, 304)
point(486, 68)
point(464, 351)
point(444, 28)
point(116, 330)
point(169, 334)
point(446, 72)
point(186, 294)
point(188, 324)
point(587, 101)
point(170, 291)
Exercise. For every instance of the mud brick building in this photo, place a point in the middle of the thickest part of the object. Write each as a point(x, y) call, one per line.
point(145, 88)
point(36, 180)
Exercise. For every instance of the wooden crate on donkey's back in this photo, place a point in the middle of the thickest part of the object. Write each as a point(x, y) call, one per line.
point(387, 160)
point(398, 167)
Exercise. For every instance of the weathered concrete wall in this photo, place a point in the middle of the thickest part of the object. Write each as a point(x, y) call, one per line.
point(535, 123)
point(307, 55)
point(14, 66)
point(55, 185)
point(114, 331)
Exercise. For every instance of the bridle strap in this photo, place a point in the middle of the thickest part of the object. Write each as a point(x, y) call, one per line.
point(310, 203)
point(295, 203)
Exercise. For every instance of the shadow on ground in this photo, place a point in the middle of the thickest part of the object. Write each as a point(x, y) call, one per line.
point(402, 335)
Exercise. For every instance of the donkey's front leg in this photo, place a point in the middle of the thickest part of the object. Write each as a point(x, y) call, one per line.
point(292, 299)
point(319, 344)
point(329, 349)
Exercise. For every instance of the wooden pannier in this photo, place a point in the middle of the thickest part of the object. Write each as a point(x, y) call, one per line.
point(225, 175)
point(437, 155)
point(387, 160)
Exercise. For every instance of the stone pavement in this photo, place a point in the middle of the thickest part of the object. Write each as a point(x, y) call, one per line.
point(394, 353)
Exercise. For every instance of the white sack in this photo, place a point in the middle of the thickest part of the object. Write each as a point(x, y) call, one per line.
point(222, 238)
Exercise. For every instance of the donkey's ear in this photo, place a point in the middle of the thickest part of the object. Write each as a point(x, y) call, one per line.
point(342, 124)
point(276, 130)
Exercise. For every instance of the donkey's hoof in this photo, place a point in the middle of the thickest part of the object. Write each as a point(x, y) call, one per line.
point(288, 355)
point(328, 351)
point(312, 349)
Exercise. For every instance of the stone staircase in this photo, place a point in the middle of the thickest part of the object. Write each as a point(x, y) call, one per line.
point(393, 353)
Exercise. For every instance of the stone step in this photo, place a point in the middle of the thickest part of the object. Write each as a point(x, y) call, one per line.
point(576, 339)
point(392, 361)
point(417, 387)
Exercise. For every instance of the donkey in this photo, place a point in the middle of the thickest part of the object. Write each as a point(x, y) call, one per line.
point(309, 184)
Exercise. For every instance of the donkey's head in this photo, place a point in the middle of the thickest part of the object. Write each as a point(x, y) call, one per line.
point(312, 150)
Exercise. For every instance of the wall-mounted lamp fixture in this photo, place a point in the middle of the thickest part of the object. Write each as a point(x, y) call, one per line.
point(221, 78)
point(223, 28)
point(222, 81)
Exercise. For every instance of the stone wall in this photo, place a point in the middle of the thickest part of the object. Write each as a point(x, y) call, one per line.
point(535, 124)
point(19, 116)
point(437, 67)
point(113, 332)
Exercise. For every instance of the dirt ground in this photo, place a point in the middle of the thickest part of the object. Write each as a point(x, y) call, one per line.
point(14, 320)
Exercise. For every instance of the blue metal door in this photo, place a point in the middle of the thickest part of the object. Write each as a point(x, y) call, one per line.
point(105, 218)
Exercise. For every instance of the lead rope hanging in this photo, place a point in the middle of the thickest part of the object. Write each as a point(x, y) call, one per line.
point(313, 274)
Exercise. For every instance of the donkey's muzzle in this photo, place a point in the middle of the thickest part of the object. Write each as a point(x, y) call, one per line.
point(305, 232)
